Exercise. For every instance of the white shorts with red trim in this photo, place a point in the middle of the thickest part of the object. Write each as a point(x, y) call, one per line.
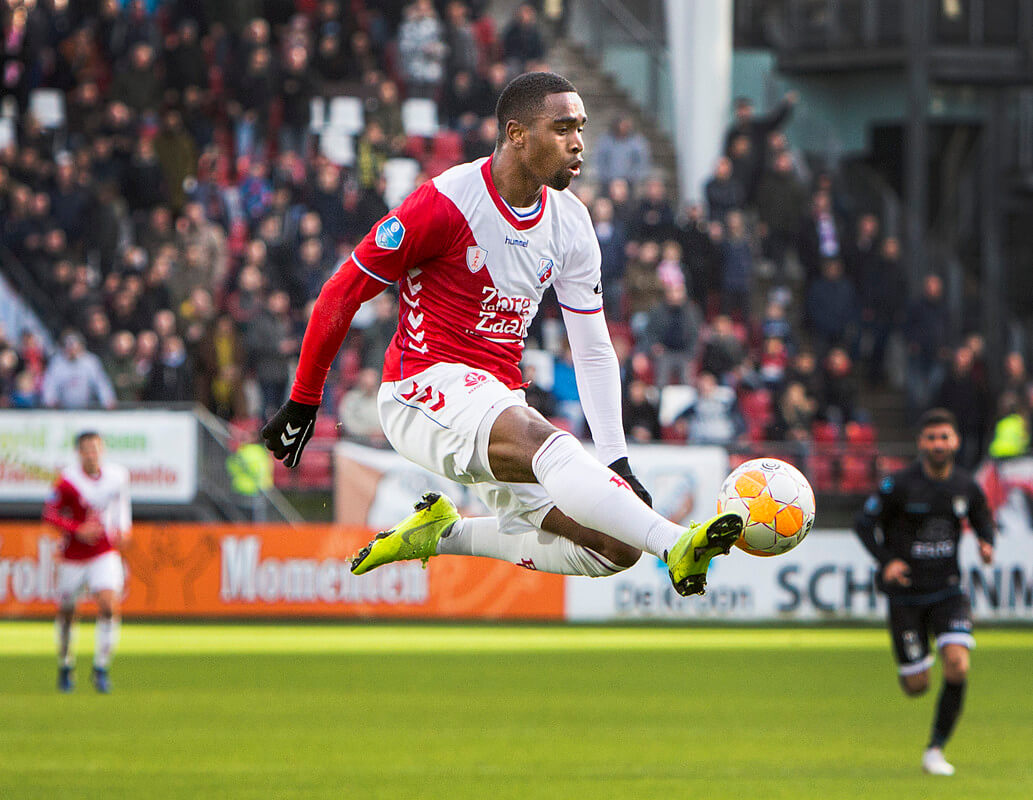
point(90, 574)
point(441, 419)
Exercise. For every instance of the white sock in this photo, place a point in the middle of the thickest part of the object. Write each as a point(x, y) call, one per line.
point(539, 550)
point(107, 639)
point(596, 497)
point(63, 638)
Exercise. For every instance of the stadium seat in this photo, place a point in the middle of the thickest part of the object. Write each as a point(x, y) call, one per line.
point(435, 166)
point(447, 146)
point(821, 472)
point(674, 399)
point(543, 362)
point(756, 407)
point(48, 107)
point(420, 116)
point(416, 147)
point(348, 366)
point(673, 434)
point(884, 465)
point(325, 428)
point(6, 132)
point(316, 470)
point(317, 118)
point(860, 433)
point(857, 475)
point(400, 175)
point(346, 115)
point(338, 147)
point(825, 432)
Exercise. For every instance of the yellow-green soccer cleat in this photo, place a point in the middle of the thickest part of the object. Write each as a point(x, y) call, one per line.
point(689, 559)
point(414, 537)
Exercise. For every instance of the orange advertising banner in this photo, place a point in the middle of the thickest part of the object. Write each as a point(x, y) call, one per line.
point(226, 570)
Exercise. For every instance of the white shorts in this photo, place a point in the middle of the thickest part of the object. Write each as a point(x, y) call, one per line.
point(441, 419)
point(93, 574)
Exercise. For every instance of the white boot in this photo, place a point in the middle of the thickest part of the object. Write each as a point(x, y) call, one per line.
point(934, 763)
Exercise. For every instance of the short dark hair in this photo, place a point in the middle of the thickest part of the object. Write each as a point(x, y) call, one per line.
point(937, 416)
point(523, 96)
point(82, 437)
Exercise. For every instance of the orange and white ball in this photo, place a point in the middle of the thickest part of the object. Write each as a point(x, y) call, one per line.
point(775, 501)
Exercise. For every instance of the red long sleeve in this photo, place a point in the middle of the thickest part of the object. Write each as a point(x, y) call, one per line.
point(339, 299)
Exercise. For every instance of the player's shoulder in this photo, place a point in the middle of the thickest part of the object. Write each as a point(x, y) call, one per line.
point(900, 479)
point(117, 473)
point(459, 191)
point(460, 182)
point(964, 479)
point(570, 207)
point(65, 476)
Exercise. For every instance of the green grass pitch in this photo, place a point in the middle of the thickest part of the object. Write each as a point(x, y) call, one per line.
point(401, 711)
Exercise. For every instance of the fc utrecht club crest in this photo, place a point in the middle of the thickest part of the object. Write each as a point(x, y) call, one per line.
point(476, 257)
point(390, 233)
point(544, 270)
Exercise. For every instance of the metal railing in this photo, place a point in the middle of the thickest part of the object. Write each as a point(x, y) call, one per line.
point(215, 485)
point(834, 24)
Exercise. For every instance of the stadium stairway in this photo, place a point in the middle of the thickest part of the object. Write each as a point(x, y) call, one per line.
point(605, 101)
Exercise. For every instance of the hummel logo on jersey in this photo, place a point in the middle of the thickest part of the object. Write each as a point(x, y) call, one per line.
point(476, 257)
point(517, 242)
point(544, 270)
point(390, 233)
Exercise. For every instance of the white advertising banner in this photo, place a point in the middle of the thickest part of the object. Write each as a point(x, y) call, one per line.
point(159, 448)
point(830, 576)
point(377, 488)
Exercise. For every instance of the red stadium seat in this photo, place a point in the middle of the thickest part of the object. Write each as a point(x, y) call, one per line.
point(860, 433)
point(316, 470)
point(825, 432)
point(447, 146)
point(821, 472)
point(416, 147)
point(325, 429)
point(435, 166)
point(756, 407)
point(886, 464)
point(857, 473)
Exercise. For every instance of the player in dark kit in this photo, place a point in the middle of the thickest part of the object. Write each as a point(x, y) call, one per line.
point(919, 512)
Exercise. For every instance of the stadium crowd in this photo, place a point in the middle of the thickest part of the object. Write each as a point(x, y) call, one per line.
point(177, 219)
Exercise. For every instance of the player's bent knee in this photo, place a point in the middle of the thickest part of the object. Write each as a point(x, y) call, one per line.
point(592, 563)
point(955, 665)
point(622, 555)
point(915, 685)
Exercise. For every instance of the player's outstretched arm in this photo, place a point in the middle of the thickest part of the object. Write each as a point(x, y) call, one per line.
point(598, 380)
point(290, 429)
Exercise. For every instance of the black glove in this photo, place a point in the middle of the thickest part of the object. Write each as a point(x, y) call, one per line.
point(287, 433)
point(623, 468)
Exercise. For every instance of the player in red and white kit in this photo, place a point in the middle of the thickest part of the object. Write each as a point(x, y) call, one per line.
point(90, 504)
point(473, 252)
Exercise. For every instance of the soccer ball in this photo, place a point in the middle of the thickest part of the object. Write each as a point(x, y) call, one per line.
point(775, 501)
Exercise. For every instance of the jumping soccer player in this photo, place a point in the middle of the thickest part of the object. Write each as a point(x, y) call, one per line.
point(473, 251)
point(90, 504)
point(919, 512)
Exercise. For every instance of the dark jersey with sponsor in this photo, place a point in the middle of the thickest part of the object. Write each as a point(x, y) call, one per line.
point(920, 521)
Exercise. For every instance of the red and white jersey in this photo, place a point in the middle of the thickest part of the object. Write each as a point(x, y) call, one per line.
point(77, 496)
point(471, 270)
